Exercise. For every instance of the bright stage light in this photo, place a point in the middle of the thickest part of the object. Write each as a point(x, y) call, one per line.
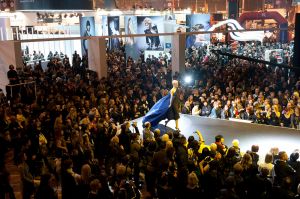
point(188, 79)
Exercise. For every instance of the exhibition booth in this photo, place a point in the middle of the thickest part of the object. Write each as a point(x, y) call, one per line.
point(149, 32)
point(26, 26)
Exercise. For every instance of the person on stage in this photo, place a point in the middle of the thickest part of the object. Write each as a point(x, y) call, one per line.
point(166, 108)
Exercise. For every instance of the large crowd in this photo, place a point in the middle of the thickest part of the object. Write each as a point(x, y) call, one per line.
point(74, 130)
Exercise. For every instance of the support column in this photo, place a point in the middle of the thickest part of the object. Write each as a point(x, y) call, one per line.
point(178, 53)
point(10, 54)
point(97, 56)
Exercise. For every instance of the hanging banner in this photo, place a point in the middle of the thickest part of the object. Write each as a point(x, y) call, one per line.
point(87, 29)
point(130, 42)
point(197, 23)
point(150, 25)
point(113, 29)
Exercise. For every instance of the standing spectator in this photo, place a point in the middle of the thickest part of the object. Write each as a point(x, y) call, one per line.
point(221, 148)
point(125, 136)
point(46, 188)
point(268, 164)
point(12, 75)
point(6, 190)
point(26, 178)
point(282, 168)
point(68, 184)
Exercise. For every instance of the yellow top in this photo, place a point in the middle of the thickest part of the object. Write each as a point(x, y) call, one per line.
point(173, 90)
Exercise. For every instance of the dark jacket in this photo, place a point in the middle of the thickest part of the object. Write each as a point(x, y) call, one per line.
point(205, 111)
point(282, 169)
point(160, 161)
point(68, 186)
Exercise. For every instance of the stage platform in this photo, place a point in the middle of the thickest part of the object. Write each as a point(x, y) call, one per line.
point(264, 136)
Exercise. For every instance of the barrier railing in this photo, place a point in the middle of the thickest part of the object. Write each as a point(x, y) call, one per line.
point(10, 88)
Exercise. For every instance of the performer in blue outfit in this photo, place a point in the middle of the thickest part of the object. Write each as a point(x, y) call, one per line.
point(166, 108)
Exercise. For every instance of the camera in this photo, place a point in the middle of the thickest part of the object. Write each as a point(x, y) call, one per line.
point(207, 159)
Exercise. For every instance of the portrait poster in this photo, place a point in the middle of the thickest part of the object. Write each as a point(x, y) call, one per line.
point(150, 25)
point(113, 29)
point(87, 29)
point(104, 26)
point(131, 48)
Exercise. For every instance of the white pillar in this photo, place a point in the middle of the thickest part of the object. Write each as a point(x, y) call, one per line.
point(97, 56)
point(178, 52)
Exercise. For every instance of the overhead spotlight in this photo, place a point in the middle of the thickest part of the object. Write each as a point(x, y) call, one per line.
point(65, 16)
point(188, 79)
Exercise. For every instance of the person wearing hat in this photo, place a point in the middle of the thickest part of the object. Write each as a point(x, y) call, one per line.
point(87, 33)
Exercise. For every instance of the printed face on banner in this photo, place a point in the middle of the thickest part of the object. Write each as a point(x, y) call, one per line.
point(87, 29)
point(130, 29)
point(104, 26)
point(113, 29)
point(197, 23)
point(150, 25)
point(131, 42)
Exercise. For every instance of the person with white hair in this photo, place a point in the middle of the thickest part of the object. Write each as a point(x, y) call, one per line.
point(174, 107)
point(153, 42)
point(167, 108)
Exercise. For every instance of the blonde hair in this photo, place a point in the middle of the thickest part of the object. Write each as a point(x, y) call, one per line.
point(175, 82)
point(115, 139)
point(235, 142)
point(86, 172)
point(193, 179)
point(165, 138)
point(169, 144)
point(147, 20)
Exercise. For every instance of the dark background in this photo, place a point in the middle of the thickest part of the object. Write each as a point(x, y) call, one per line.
point(54, 4)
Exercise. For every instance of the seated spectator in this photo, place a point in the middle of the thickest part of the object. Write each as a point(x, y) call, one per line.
point(187, 108)
point(216, 110)
point(206, 109)
point(196, 110)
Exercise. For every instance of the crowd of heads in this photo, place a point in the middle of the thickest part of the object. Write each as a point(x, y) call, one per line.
point(74, 129)
point(235, 88)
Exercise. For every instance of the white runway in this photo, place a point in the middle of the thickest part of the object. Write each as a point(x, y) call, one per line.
point(264, 136)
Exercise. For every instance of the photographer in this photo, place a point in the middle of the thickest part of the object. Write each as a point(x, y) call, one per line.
point(211, 171)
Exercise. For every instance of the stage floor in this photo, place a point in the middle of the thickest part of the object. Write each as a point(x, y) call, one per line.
point(264, 136)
